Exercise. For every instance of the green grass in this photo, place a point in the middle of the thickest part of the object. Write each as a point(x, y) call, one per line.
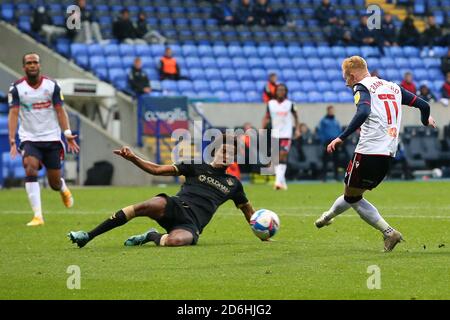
point(230, 262)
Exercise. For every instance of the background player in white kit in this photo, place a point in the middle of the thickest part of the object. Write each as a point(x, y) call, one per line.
point(38, 102)
point(379, 111)
point(282, 117)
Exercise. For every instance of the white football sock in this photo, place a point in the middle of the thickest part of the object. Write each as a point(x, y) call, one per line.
point(277, 174)
point(370, 214)
point(282, 172)
point(34, 196)
point(63, 185)
point(338, 207)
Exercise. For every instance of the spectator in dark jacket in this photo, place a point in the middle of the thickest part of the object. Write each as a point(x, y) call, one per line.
point(432, 35)
point(146, 33)
point(265, 15)
point(408, 83)
point(42, 23)
point(222, 12)
point(329, 129)
point(426, 94)
point(363, 35)
point(445, 63)
point(137, 78)
point(326, 14)
point(244, 13)
point(408, 34)
point(333, 27)
point(124, 30)
point(388, 31)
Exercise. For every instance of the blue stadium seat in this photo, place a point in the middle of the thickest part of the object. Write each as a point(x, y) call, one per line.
point(97, 62)
point(243, 74)
point(434, 73)
point(323, 86)
point(318, 75)
point(102, 73)
point(127, 61)
point(284, 62)
point(148, 62)
point(77, 49)
point(280, 51)
point(431, 62)
point(82, 61)
point(314, 97)
point(220, 51)
point(126, 50)
point(259, 74)
point(387, 63)
point(142, 50)
point(304, 74)
point(238, 96)
point(253, 96)
point(217, 85)
point(299, 63)
point(270, 62)
point(111, 49)
point(212, 74)
point(352, 51)
point(393, 51)
point(193, 62)
point(329, 96)
point(338, 52)
point(185, 85)
point(314, 63)
point(373, 64)
point(392, 74)
point(224, 62)
point(196, 73)
point(330, 63)
point(158, 50)
point(239, 62)
point(222, 96)
point(308, 85)
point(4, 108)
point(205, 51)
point(208, 62)
point(367, 52)
point(264, 51)
point(411, 52)
point(294, 86)
point(420, 74)
point(294, 51)
point(289, 75)
point(338, 86)
point(169, 85)
point(249, 51)
point(247, 86)
point(334, 75)
point(299, 97)
point(114, 62)
point(228, 74)
point(201, 85)
point(415, 63)
point(117, 75)
point(401, 62)
point(235, 51)
point(255, 62)
point(345, 96)
point(95, 50)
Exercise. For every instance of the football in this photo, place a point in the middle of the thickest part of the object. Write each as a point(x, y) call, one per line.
point(265, 224)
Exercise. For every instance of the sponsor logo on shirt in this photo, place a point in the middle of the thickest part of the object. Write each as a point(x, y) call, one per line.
point(213, 183)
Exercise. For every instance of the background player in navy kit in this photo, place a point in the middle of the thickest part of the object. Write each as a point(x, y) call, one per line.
point(379, 111)
point(185, 215)
point(38, 102)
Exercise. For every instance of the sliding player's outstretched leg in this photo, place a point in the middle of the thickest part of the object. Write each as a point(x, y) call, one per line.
point(153, 208)
point(175, 238)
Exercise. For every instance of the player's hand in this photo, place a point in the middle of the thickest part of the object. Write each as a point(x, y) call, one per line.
point(13, 151)
point(72, 145)
point(333, 145)
point(126, 153)
point(431, 122)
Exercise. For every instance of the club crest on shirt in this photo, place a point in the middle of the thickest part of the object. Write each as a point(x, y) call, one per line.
point(230, 182)
point(357, 164)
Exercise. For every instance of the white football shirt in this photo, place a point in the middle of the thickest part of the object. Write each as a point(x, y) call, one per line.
point(37, 116)
point(379, 133)
point(282, 118)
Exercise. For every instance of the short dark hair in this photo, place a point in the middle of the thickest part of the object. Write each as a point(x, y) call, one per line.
point(27, 54)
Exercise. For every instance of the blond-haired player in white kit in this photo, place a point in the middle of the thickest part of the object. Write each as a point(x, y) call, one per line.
point(38, 102)
point(379, 113)
point(282, 116)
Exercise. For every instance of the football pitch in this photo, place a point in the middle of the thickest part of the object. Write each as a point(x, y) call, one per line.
point(342, 261)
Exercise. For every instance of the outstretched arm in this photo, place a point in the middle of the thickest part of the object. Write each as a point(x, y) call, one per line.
point(410, 99)
point(147, 166)
point(247, 209)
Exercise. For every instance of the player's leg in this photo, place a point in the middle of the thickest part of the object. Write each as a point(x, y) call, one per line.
point(280, 169)
point(153, 208)
point(54, 153)
point(31, 165)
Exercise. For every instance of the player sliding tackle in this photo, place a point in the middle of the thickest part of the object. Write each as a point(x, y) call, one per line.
point(185, 215)
point(379, 112)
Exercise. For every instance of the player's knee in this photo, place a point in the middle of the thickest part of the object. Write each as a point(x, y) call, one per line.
point(31, 170)
point(352, 199)
point(178, 240)
point(55, 185)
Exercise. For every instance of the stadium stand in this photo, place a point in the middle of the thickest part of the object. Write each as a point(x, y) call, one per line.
point(208, 51)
